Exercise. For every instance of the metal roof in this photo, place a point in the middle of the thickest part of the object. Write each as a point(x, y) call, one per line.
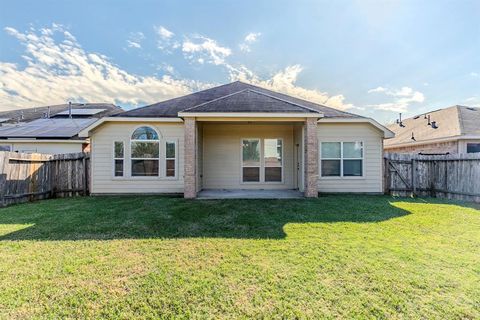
point(46, 128)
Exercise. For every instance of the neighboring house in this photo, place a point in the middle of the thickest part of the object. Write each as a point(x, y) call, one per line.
point(450, 130)
point(40, 130)
point(60, 110)
point(236, 136)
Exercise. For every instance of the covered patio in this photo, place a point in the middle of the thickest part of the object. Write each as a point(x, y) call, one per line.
point(214, 194)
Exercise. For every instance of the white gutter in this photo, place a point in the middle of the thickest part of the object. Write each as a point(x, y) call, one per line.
point(249, 115)
point(33, 140)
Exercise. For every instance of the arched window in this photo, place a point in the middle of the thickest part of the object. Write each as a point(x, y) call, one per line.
point(145, 152)
point(145, 133)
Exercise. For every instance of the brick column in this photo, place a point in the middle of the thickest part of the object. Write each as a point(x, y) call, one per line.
point(311, 158)
point(190, 159)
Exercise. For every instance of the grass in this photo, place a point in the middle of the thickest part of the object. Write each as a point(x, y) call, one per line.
point(153, 257)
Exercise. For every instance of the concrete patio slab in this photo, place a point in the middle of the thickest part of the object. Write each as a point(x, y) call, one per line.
point(249, 194)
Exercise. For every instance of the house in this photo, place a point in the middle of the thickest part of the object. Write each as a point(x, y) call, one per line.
point(451, 130)
point(51, 129)
point(96, 110)
point(236, 136)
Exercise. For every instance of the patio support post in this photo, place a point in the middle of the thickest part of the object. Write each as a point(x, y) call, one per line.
point(311, 158)
point(190, 154)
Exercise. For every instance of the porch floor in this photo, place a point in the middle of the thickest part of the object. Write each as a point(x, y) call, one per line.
point(249, 194)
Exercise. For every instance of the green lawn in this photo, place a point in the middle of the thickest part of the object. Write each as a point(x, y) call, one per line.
point(153, 257)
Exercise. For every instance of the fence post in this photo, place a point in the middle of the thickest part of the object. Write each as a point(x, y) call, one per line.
point(414, 177)
point(84, 163)
point(386, 180)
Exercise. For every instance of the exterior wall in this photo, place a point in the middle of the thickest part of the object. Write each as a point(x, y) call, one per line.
point(372, 138)
point(43, 147)
point(298, 156)
point(103, 181)
point(462, 145)
point(222, 154)
point(437, 147)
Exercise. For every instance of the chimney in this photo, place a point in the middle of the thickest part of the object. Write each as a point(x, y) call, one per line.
point(428, 120)
point(70, 109)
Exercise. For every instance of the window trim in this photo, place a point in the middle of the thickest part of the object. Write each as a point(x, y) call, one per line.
point(282, 181)
point(341, 177)
point(115, 158)
point(158, 175)
point(259, 166)
point(164, 169)
point(262, 162)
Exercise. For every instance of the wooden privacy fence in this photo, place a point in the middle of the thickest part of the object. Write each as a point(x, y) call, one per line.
point(28, 177)
point(444, 176)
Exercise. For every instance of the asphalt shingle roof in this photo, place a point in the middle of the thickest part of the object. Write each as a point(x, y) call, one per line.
point(234, 97)
point(451, 122)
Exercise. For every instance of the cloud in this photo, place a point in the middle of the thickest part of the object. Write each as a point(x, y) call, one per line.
point(163, 32)
point(284, 81)
point(475, 74)
point(402, 98)
point(377, 89)
point(134, 40)
point(165, 39)
point(58, 70)
point(203, 49)
point(249, 39)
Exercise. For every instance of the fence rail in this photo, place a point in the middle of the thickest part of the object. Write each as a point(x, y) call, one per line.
point(444, 176)
point(28, 177)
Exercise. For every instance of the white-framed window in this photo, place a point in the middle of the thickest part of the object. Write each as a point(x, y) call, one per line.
point(341, 159)
point(273, 160)
point(144, 152)
point(171, 151)
point(251, 162)
point(473, 147)
point(118, 158)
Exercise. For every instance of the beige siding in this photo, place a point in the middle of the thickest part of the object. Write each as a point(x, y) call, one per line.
point(462, 145)
point(102, 160)
point(372, 138)
point(43, 147)
point(222, 154)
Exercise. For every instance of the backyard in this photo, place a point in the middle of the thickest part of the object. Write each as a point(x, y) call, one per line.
point(338, 256)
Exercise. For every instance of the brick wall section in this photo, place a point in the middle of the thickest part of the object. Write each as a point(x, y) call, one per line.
point(311, 158)
point(437, 147)
point(190, 154)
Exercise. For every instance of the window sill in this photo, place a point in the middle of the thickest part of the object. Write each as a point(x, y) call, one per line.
point(342, 178)
point(144, 178)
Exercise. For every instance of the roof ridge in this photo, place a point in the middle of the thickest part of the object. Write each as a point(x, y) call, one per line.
point(213, 100)
point(179, 97)
point(286, 101)
point(460, 120)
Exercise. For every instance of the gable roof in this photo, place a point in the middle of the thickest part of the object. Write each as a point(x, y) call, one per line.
point(31, 114)
point(234, 97)
point(455, 121)
point(46, 128)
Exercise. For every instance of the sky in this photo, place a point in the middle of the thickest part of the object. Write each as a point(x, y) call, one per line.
point(373, 58)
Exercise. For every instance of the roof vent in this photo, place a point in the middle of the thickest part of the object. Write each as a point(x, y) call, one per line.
point(416, 117)
point(399, 121)
point(472, 109)
point(434, 125)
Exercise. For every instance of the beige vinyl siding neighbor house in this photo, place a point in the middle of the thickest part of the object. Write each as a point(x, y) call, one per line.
point(451, 130)
point(235, 137)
